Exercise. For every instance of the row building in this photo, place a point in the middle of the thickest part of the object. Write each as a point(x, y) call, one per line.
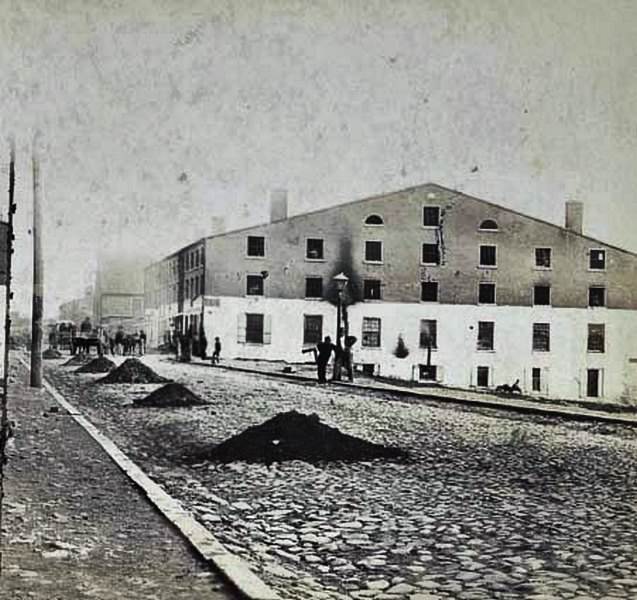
point(442, 288)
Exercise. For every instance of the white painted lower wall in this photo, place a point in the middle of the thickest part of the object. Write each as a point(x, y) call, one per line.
point(563, 368)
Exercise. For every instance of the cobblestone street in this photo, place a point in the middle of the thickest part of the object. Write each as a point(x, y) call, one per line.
point(493, 505)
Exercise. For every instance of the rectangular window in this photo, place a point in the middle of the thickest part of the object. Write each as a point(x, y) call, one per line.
point(593, 383)
point(430, 254)
point(542, 295)
point(596, 296)
point(483, 377)
point(428, 372)
point(542, 337)
point(597, 260)
point(536, 379)
point(254, 328)
point(371, 289)
point(596, 336)
point(543, 258)
point(429, 291)
point(313, 287)
point(256, 245)
point(485, 335)
point(486, 293)
point(373, 251)
point(312, 329)
point(201, 288)
point(487, 256)
point(314, 249)
point(428, 333)
point(371, 332)
point(431, 216)
point(254, 285)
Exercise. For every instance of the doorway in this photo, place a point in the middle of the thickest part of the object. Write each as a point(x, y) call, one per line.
point(593, 383)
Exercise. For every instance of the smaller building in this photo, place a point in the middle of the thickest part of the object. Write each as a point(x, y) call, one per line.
point(78, 309)
point(118, 297)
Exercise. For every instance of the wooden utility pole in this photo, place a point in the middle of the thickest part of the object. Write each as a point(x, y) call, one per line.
point(5, 429)
point(38, 285)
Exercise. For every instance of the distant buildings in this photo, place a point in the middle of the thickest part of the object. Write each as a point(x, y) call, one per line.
point(78, 309)
point(480, 294)
point(118, 295)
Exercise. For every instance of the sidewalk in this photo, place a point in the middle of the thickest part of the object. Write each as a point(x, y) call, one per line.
point(524, 404)
point(75, 527)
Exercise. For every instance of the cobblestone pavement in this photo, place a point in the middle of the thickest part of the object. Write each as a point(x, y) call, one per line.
point(493, 506)
point(75, 528)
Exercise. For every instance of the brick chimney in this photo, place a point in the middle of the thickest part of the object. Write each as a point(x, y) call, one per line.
point(278, 205)
point(574, 216)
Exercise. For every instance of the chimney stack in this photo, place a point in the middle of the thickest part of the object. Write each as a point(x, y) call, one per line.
point(278, 205)
point(574, 216)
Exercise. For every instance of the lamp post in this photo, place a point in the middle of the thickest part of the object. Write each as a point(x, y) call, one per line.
point(341, 281)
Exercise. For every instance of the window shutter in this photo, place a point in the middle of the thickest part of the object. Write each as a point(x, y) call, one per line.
point(241, 328)
point(267, 329)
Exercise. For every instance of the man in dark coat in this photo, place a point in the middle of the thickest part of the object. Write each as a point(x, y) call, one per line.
point(324, 349)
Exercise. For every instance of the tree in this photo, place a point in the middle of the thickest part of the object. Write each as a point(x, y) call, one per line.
point(401, 350)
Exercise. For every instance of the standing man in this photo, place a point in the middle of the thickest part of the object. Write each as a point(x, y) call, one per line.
point(142, 342)
point(86, 326)
point(119, 340)
point(347, 358)
point(325, 349)
point(217, 351)
point(338, 361)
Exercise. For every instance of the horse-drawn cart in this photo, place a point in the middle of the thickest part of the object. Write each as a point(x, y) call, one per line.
point(83, 341)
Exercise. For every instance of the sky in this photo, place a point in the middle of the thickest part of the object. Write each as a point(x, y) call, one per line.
point(155, 118)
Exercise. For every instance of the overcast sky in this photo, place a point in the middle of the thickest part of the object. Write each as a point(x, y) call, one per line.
point(157, 117)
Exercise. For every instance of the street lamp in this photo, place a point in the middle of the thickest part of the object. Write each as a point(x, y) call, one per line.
point(340, 281)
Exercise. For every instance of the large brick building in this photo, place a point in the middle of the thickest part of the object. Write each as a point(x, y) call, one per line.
point(480, 294)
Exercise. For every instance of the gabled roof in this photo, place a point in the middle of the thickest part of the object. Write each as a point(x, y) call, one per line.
point(421, 187)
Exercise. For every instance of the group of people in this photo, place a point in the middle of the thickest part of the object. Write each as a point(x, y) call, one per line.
point(343, 358)
point(123, 343)
point(183, 346)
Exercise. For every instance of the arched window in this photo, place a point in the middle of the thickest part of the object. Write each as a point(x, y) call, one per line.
point(374, 220)
point(489, 225)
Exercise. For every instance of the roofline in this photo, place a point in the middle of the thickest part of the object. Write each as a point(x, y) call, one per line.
point(401, 191)
point(537, 220)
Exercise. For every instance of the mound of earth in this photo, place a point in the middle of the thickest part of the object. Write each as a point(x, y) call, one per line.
point(77, 359)
point(51, 353)
point(101, 364)
point(296, 436)
point(171, 394)
point(133, 370)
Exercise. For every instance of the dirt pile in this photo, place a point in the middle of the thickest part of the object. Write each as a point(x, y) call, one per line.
point(172, 394)
point(76, 360)
point(51, 353)
point(133, 370)
point(100, 364)
point(296, 436)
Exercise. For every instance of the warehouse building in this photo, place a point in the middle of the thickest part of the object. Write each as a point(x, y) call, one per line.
point(441, 287)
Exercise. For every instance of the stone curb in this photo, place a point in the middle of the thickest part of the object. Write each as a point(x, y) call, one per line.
point(523, 406)
point(232, 567)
